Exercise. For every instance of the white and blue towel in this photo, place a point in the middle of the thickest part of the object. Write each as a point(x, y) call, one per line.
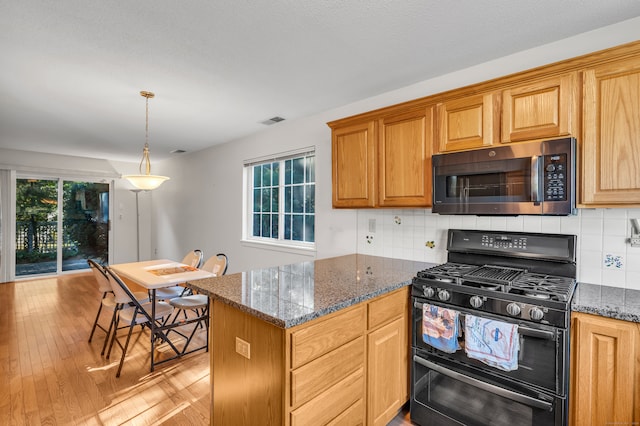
point(440, 328)
point(493, 342)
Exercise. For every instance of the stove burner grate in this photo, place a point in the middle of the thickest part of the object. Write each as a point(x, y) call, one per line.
point(495, 274)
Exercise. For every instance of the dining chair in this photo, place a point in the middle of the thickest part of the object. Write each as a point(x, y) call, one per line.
point(110, 301)
point(138, 313)
point(216, 264)
point(194, 259)
point(107, 299)
point(199, 303)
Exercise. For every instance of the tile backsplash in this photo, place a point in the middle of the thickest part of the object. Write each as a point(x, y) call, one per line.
point(604, 255)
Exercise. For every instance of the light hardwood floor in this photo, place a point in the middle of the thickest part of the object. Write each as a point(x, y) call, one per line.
point(51, 375)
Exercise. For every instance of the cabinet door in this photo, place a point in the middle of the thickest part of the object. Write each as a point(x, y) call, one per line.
point(543, 109)
point(605, 371)
point(386, 376)
point(470, 122)
point(611, 134)
point(404, 159)
point(353, 153)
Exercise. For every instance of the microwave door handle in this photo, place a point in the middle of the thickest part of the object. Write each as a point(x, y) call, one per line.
point(536, 195)
point(514, 396)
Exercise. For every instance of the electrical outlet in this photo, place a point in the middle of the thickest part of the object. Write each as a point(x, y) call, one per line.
point(243, 348)
point(634, 241)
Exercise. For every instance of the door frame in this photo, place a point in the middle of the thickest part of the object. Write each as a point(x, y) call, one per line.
point(11, 255)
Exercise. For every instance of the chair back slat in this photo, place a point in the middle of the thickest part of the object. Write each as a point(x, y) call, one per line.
point(122, 292)
point(217, 264)
point(100, 276)
point(193, 258)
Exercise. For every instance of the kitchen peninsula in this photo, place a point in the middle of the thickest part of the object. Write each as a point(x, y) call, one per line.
point(318, 342)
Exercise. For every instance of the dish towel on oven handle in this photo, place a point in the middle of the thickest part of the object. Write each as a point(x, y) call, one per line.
point(495, 343)
point(440, 328)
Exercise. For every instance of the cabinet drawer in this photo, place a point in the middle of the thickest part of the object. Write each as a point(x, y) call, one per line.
point(386, 308)
point(326, 335)
point(352, 416)
point(318, 375)
point(331, 403)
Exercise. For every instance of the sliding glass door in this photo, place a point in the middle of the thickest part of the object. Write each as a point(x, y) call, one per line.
point(59, 225)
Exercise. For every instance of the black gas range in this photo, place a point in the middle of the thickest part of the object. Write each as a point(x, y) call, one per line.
point(526, 280)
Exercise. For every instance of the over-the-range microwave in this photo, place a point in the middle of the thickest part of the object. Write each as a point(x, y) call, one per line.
point(532, 178)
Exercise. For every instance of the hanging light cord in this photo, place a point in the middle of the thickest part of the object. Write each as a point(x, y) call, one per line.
point(145, 151)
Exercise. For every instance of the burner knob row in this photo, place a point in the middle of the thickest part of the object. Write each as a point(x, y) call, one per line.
point(443, 295)
point(476, 301)
point(513, 309)
point(429, 292)
point(536, 314)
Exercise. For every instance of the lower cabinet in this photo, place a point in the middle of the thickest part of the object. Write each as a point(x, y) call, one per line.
point(605, 371)
point(346, 368)
point(352, 367)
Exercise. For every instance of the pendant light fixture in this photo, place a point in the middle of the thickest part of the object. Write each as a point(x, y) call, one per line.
point(146, 181)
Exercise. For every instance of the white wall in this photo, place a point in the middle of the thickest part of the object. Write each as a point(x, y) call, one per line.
point(201, 206)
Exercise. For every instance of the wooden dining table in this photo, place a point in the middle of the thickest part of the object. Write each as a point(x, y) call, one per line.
point(155, 274)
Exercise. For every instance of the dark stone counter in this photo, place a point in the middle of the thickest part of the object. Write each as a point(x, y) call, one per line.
point(291, 295)
point(612, 302)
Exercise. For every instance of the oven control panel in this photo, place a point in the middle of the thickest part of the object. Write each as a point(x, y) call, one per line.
point(555, 177)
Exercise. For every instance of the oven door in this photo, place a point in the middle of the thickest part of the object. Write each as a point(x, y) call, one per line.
point(542, 358)
point(445, 393)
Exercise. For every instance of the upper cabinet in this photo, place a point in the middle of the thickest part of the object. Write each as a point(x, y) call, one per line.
point(353, 153)
point(384, 161)
point(469, 122)
point(404, 159)
point(611, 134)
point(542, 109)
point(383, 158)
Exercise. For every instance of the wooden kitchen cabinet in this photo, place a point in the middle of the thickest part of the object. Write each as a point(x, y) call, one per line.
point(611, 134)
point(468, 122)
point(546, 108)
point(404, 159)
point(353, 151)
point(384, 161)
point(350, 367)
point(388, 355)
point(605, 371)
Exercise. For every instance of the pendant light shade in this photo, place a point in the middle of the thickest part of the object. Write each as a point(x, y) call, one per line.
point(146, 181)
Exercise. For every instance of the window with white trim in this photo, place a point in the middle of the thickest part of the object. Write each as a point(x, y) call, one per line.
point(281, 199)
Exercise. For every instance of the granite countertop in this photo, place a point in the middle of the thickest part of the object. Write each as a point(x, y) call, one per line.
point(612, 302)
point(290, 295)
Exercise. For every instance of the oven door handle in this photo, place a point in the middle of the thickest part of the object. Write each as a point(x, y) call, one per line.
point(532, 332)
point(514, 396)
point(536, 164)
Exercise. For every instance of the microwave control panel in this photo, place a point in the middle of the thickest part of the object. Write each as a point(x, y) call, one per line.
point(555, 177)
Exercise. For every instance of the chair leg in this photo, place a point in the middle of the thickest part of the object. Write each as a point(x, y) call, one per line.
point(113, 336)
point(124, 349)
point(111, 324)
point(95, 323)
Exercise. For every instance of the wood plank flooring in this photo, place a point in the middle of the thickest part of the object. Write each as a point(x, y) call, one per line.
point(51, 375)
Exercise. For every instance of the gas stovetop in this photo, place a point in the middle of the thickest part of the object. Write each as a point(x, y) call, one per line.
point(528, 276)
point(503, 279)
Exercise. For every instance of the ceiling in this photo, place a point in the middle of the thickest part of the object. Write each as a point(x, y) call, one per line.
point(72, 69)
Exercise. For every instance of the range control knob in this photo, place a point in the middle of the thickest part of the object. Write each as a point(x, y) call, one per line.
point(476, 301)
point(513, 309)
point(428, 292)
point(536, 314)
point(443, 295)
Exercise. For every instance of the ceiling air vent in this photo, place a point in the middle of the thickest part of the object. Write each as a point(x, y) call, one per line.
point(272, 120)
point(177, 151)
